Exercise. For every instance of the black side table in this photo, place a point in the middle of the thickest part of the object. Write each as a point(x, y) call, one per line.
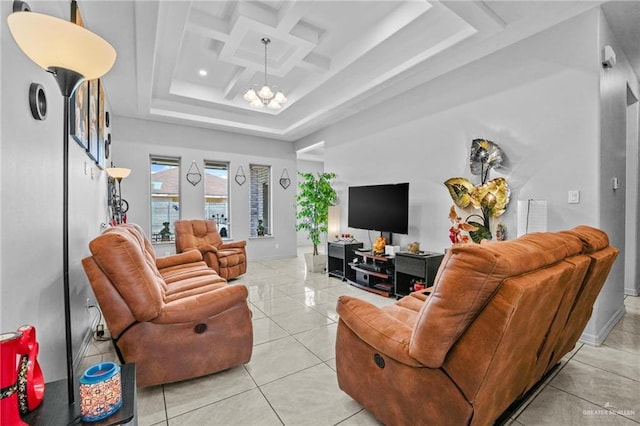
point(56, 411)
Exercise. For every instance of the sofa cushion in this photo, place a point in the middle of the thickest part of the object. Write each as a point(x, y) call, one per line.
point(469, 275)
point(592, 239)
point(119, 255)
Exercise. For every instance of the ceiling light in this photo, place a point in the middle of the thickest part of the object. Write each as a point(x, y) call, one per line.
point(272, 98)
point(203, 73)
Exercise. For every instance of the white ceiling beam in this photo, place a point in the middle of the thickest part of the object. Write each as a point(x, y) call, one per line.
point(291, 13)
point(209, 26)
point(239, 82)
point(316, 62)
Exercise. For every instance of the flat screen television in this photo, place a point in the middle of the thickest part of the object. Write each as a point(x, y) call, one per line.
point(383, 208)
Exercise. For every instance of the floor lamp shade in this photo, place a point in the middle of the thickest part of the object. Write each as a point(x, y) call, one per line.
point(55, 43)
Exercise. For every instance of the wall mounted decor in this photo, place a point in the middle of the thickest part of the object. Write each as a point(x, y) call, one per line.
point(37, 101)
point(490, 197)
point(93, 152)
point(240, 176)
point(79, 115)
point(107, 147)
point(193, 174)
point(284, 179)
point(101, 125)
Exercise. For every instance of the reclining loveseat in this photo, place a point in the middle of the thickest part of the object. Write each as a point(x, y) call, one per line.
point(498, 318)
point(173, 316)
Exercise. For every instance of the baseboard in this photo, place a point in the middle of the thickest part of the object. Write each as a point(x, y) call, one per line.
point(86, 340)
point(598, 339)
point(632, 291)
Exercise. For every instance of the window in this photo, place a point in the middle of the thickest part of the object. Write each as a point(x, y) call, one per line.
point(260, 201)
point(216, 195)
point(165, 197)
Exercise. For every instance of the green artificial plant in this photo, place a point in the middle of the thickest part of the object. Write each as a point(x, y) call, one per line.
point(315, 197)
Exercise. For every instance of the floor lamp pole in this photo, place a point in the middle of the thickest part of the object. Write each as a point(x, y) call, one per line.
point(120, 200)
point(67, 80)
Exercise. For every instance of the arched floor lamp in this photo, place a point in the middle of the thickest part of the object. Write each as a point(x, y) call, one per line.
point(71, 54)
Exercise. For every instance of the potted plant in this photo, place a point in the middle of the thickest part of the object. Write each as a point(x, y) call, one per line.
point(315, 196)
point(165, 232)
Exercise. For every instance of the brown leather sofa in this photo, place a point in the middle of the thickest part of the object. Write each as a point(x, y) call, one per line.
point(228, 259)
point(499, 316)
point(173, 316)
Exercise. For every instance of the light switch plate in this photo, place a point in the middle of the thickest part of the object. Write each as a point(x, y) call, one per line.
point(574, 197)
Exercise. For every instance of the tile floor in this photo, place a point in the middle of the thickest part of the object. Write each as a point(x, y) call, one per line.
point(291, 377)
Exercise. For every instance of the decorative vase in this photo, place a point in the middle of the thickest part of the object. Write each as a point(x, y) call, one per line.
point(9, 413)
point(316, 263)
point(100, 391)
point(30, 379)
point(260, 228)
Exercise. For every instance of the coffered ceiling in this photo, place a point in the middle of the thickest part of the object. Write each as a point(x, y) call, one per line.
point(331, 58)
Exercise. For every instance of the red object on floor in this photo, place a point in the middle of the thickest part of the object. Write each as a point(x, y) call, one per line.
point(9, 414)
point(30, 378)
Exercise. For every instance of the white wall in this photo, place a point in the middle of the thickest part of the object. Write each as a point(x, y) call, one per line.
point(612, 164)
point(137, 139)
point(632, 246)
point(31, 217)
point(537, 99)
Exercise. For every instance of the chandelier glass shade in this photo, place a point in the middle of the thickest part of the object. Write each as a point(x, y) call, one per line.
point(258, 98)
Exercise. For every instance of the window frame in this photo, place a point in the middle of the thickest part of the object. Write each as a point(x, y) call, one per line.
point(253, 233)
point(165, 160)
point(207, 164)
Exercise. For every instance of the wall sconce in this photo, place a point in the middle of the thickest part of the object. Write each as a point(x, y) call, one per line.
point(118, 173)
point(71, 54)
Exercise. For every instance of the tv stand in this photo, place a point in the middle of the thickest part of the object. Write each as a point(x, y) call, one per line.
point(373, 273)
point(340, 253)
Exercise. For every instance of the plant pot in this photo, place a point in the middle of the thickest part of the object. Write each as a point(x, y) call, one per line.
point(315, 263)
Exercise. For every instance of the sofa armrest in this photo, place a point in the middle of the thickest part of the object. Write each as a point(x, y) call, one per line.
point(201, 306)
point(233, 244)
point(206, 248)
point(378, 329)
point(178, 259)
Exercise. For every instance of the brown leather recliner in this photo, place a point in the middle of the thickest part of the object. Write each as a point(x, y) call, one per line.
point(228, 259)
point(174, 317)
point(498, 318)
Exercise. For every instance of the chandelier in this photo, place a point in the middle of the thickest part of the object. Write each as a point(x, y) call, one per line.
point(266, 96)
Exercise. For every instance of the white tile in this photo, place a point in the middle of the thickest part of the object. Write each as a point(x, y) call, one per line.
point(150, 406)
point(301, 320)
point(554, 407)
point(363, 418)
point(191, 394)
point(247, 408)
point(310, 397)
point(265, 330)
point(610, 359)
point(278, 305)
point(599, 387)
point(274, 360)
point(321, 341)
